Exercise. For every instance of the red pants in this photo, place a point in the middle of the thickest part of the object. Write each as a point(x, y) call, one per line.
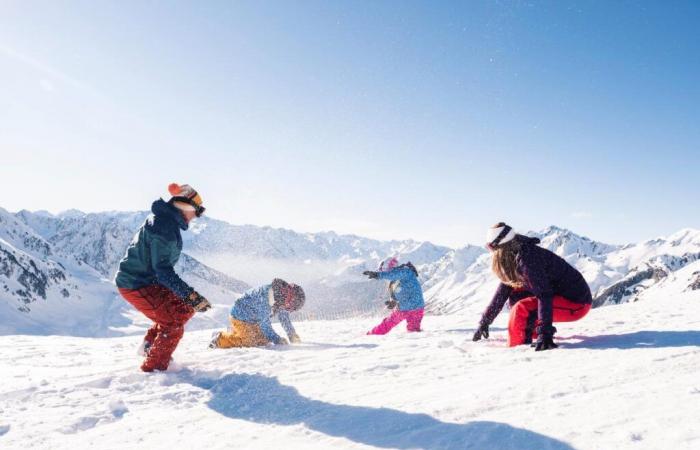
point(563, 310)
point(169, 314)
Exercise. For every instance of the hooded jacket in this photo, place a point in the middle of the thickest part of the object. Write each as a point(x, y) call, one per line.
point(406, 288)
point(154, 251)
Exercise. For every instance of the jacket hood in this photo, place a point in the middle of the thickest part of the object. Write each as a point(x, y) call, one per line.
point(527, 239)
point(164, 210)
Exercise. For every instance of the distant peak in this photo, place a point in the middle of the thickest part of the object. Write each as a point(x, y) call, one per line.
point(555, 229)
point(684, 233)
point(69, 213)
point(40, 213)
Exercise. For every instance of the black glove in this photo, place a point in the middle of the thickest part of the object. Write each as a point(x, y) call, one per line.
point(391, 304)
point(545, 338)
point(198, 302)
point(482, 331)
point(371, 275)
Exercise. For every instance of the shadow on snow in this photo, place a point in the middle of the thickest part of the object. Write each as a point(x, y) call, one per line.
point(306, 345)
point(639, 339)
point(264, 400)
point(472, 330)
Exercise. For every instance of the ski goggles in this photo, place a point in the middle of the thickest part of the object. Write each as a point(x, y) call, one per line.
point(193, 206)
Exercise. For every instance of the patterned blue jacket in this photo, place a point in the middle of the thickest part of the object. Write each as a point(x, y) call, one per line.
point(254, 307)
point(407, 289)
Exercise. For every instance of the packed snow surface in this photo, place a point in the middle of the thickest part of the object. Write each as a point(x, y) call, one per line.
point(625, 377)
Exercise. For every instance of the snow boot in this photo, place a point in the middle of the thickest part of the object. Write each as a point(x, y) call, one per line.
point(144, 349)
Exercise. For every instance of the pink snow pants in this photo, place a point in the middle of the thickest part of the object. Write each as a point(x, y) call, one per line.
point(412, 318)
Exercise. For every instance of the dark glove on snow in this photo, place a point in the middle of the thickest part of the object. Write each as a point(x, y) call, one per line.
point(482, 331)
point(371, 275)
point(198, 302)
point(391, 304)
point(545, 338)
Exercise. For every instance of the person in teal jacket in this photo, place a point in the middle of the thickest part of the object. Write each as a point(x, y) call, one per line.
point(147, 280)
point(251, 316)
point(406, 296)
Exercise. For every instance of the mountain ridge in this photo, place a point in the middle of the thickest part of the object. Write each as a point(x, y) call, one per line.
point(223, 259)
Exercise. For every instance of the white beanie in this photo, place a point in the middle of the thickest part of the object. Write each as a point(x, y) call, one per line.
point(499, 235)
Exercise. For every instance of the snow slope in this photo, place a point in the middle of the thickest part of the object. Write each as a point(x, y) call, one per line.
point(44, 292)
point(625, 377)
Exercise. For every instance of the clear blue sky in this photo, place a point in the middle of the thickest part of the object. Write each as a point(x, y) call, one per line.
point(429, 120)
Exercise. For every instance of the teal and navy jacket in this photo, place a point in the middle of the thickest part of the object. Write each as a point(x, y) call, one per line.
point(254, 307)
point(154, 251)
point(406, 287)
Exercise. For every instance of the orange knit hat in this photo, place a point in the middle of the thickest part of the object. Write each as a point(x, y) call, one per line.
point(184, 193)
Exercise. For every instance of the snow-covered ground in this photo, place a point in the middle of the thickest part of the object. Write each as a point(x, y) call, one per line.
point(625, 377)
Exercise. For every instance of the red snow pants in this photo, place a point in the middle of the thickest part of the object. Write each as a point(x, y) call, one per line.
point(563, 310)
point(169, 315)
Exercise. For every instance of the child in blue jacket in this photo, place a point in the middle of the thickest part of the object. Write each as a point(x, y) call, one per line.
point(406, 293)
point(251, 324)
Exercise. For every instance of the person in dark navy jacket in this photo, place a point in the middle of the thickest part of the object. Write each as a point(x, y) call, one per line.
point(541, 287)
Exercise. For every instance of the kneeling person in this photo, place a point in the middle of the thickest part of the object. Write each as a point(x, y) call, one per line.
point(251, 324)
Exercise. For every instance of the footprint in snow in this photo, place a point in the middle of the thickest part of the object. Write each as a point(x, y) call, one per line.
point(100, 383)
point(84, 423)
point(118, 408)
point(445, 344)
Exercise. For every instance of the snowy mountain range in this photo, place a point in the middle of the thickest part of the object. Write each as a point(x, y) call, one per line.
point(56, 270)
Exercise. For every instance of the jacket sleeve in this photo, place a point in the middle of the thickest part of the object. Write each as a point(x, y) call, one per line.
point(499, 299)
point(268, 331)
point(286, 323)
point(160, 251)
point(398, 273)
point(535, 275)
